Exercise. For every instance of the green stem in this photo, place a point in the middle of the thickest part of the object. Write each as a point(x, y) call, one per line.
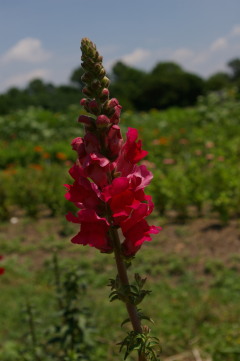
point(57, 280)
point(123, 277)
point(31, 323)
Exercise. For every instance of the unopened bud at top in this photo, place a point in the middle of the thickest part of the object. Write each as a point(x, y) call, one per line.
point(95, 78)
point(88, 48)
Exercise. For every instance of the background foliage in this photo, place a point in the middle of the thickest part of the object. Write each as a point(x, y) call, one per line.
point(193, 154)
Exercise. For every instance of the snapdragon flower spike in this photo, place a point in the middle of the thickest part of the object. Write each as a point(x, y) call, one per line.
point(108, 186)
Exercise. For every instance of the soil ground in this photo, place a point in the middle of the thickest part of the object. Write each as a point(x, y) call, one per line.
point(197, 238)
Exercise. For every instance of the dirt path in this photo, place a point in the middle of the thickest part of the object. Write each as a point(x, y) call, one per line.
point(200, 239)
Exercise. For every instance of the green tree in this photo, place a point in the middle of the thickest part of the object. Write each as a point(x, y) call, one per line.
point(234, 66)
point(126, 84)
point(218, 81)
point(13, 99)
point(169, 85)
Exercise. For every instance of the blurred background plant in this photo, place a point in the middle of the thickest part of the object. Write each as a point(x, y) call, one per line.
point(69, 333)
point(194, 166)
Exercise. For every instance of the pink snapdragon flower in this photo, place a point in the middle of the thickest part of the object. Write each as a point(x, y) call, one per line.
point(93, 229)
point(108, 183)
point(123, 195)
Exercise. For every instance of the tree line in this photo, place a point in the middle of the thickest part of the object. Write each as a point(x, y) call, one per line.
point(166, 85)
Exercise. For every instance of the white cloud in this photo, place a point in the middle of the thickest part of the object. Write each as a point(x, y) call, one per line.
point(26, 50)
point(235, 31)
point(23, 79)
point(201, 57)
point(204, 61)
point(182, 54)
point(212, 58)
point(136, 57)
point(219, 44)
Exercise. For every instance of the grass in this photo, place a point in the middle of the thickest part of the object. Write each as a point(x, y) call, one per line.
point(190, 307)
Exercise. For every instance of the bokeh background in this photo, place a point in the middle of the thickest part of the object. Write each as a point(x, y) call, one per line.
point(175, 68)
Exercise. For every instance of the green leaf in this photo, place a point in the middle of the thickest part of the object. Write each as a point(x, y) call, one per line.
point(125, 321)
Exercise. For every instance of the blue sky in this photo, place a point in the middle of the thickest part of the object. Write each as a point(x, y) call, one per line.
point(41, 38)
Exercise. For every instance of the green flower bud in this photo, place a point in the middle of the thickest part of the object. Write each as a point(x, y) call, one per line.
point(102, 73)
point(105, 82)
point(97, 68)
point(95, 84)
point(87, 77)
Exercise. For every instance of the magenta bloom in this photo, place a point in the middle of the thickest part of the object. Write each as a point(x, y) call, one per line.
point(93, 229)
point(82, 192)
point(95, 192)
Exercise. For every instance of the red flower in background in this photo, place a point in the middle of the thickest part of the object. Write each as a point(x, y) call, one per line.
point(2, 270)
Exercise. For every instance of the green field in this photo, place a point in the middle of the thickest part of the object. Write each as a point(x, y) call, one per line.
point(192, 266)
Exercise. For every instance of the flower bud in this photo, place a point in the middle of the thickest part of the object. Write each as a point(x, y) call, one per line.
point(85, 119)
point(84, 45)
point(95, 84)
point(116, 116)
point(94, 107)
point(83, 101)
point(83, 64)
point(86, 91)
point(97, 68)
point(104, 95)
point(102, 121)
point(105, 82)
point(102, 73)
point(105, 92)
point(98, 58)
point(87, 77)
point(112, 103)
